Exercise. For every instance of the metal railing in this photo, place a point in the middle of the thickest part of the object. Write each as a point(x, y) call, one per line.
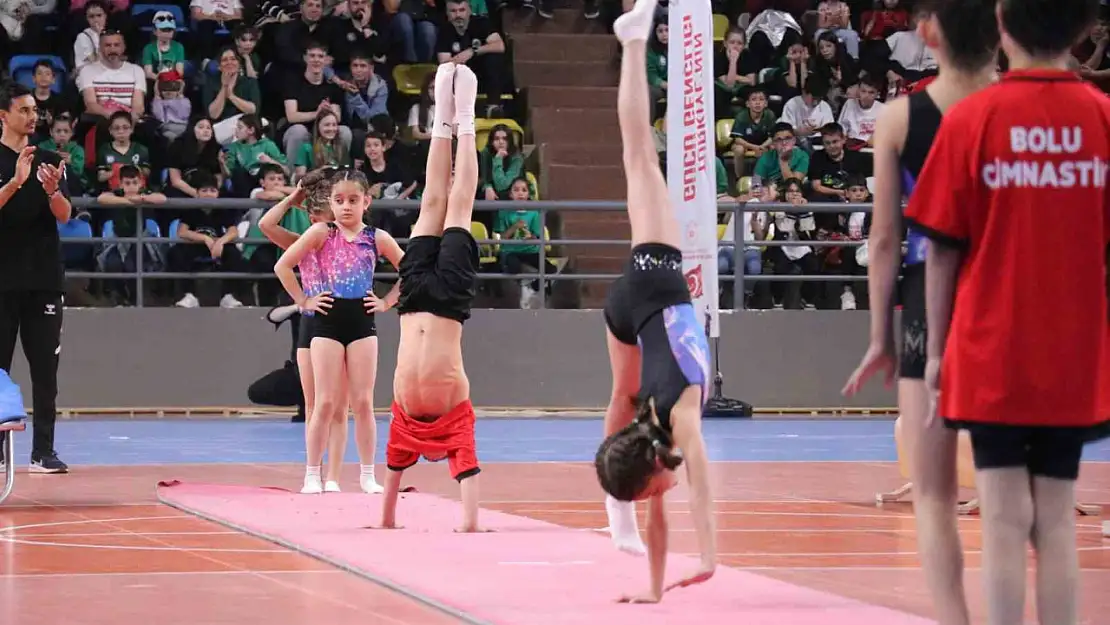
point(739, 211)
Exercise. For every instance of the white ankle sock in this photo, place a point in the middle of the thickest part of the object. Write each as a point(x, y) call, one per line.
point(366, 470)
point(312, 471)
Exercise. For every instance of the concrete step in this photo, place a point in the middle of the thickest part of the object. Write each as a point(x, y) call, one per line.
point(585, 155)
point(575, 126)
point(574, 48)
point(572, 97)
point(530, 74)
point(565, 21)
point(570, 182)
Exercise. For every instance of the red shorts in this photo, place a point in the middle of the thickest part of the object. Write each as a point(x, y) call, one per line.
point(449, 436)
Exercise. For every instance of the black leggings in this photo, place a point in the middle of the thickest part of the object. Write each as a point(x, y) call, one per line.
point(36, 318)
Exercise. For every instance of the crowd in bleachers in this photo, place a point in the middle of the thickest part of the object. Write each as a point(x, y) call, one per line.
point(238, 98)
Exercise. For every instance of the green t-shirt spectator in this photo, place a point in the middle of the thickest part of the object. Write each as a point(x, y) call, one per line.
point(305, 157)
point(163, 61)
point(532, 222)
point(243, 155)
point(108, 157)
point(753, 131)
point(768, 170)
point(656, 68)
point(76, 158)
point(245, 88)
point(502, 172)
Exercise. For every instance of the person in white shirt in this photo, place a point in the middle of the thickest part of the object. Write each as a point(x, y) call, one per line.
point(113, 84)
point(910, 58)
point(808, 112)
point(86, 48)
point(859, 114)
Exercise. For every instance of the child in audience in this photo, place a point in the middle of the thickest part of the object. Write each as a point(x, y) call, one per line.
point(751, 131)
point(120, 151)
point(170, 106)
point(163, 54)
point(73, 155)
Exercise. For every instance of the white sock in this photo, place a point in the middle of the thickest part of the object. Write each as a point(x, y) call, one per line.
point(623, 526)
point(466, 93)
point(636, 25)
point(365, 470)
point(312, 471)
point(443, 116)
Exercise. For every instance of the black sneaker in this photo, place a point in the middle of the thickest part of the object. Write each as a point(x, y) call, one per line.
point(48, 463)
point(591, 11)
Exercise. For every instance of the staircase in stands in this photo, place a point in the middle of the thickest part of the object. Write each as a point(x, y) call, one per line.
point(569, 69)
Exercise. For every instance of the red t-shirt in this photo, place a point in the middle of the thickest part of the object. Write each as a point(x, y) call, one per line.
point(1017, 178)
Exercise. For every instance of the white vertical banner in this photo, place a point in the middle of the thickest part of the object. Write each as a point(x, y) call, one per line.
point(691, 154)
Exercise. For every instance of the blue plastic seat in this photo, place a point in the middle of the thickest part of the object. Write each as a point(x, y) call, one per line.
point(21, 68)
point(173, 9)
point(75, 229)
point(151, 229)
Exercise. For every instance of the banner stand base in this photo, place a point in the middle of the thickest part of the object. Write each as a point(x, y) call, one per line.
point(718, 406)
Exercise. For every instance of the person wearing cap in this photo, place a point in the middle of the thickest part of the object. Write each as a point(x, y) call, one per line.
point(170, 106)
point(163, 54)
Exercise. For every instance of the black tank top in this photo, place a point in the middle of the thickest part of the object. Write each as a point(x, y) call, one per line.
point(921, 128)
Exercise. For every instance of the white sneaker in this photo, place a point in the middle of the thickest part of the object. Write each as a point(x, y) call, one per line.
point(370, 485)
point(847, 300)
point(312, 485)
point(229, 301)
point(526, 295)
point(189, 301)
point(331, 486)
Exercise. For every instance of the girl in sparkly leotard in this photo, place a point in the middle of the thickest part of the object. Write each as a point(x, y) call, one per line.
point(344, 346)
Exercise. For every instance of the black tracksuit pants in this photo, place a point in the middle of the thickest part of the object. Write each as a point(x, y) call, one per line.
point(36, 318)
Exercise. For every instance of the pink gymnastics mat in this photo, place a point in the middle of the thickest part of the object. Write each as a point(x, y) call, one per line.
point(526, 572)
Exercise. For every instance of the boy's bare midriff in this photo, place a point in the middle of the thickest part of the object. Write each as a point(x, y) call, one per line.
point(430, 379)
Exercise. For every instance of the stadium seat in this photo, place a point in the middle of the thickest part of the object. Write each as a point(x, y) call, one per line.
point(409, 78)
point(487, 252)
point(744, 185)
point(724, 130)
point(22, 70)
point(173, 228)
point(534, 183)
point(482, 127)
point(108, 230)
point(75, 229)
point(558, 261)
point(721, 230)
point(151, 9)
point(720, 26)
point(659, 124)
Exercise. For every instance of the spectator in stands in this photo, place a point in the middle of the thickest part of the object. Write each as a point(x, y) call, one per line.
point(170, 106)
point(246, 41)
point(250, 150)
point(500, 163)
point(808, 112)
point(366, 95)
point(194, 152)
point(754, 228)
point(470, 40)
point(208, 17)
point(736, 70)
point(121, 150)
point(834, 16)
point(112, 84)
point(751, 131)
point(859, 115)
point(229, 96)
point(412, 25)
point(830, 170)
point(794, 260)
point(15, 37)
point(260, 257)
point(86, 47)
point(910, 59)
point(1091, 54)
point(163, 54)
point(850, 227)
point(420, 118)
point(72, 154)
point(388, 179)
point(785, 161)
point(356, 33)
point(309, 96)
point(292, 39)
point(273, 186)
point(121, 257)
point(208, 236)
point(522, 224)
point(795, 68)
point(325, 148)
point(117, 15)
point(887, 19)
point(50, 104)
point(835, 68)
point(657, 62)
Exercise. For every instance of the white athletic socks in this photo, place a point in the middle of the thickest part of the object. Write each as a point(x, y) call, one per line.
point(367, 480)
point(637, 24)
point(312, 484)
point(466, 93)
point(623, 527)
point(444, 113)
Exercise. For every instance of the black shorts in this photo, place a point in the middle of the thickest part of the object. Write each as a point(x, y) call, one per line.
point(304, 331)
point(650, 306)
point(439, 275)
point(345, 322)
point(914, 331)
point(1053, 452)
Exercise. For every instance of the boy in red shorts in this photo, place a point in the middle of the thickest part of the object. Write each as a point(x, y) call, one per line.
point(1014, 201)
